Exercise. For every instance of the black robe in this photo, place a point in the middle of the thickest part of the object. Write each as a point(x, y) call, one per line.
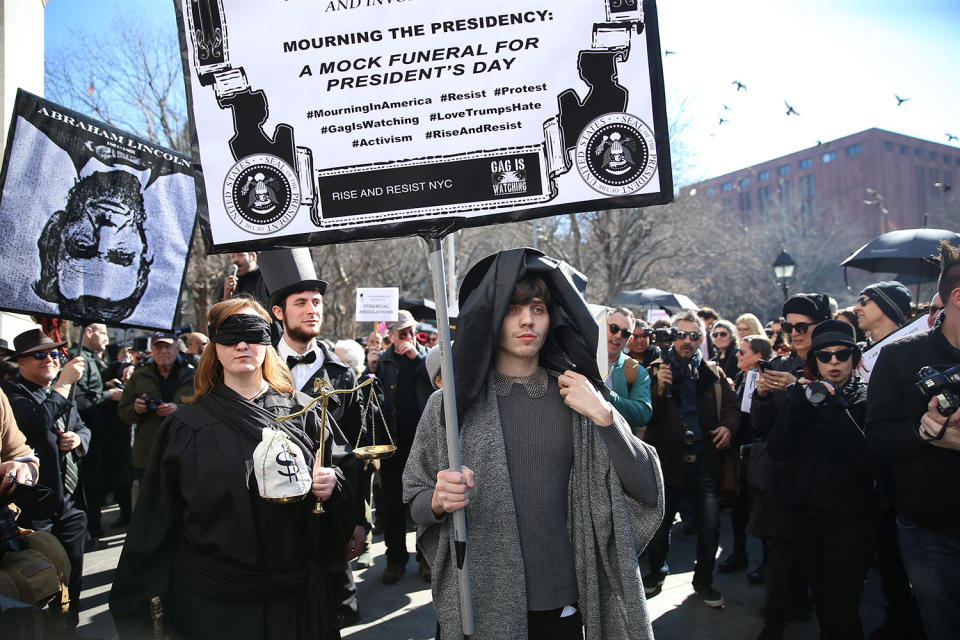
point(225, 562)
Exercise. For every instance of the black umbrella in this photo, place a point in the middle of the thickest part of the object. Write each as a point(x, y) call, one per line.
point(907, 251)
point(653, 298)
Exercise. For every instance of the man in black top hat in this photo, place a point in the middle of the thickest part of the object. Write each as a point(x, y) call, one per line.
point(297, 302)
point(42, 401)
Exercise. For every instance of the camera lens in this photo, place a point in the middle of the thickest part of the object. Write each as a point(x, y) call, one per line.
point(816, 392)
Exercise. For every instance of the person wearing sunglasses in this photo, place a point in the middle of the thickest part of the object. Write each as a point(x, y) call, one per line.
point(784, 583)
point(695, 415)
point(640, 348)
point(41, 397)
point(826, 482)
point(628, 382)
point(725, 350)
point(752, 349)
point(882, 308)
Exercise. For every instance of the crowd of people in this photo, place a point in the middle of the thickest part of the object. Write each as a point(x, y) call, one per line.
point(830, 434)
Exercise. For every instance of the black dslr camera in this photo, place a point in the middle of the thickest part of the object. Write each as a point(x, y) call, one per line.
point(942, 385)
point(661, 335)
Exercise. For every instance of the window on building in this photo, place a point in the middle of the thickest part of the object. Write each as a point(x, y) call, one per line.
point(763, 202)
point(727, 205)
point(918, 153)
point(923, 183)
point(854, 149)
point(807, 216)
point(744, 201)
point(829, 157)
point(805, 163)
point(726, 186)
point(711, 191)
point(745, 181)
point(764, 175)
point(887, 145)
point(783, 170)
point(933, 155)
point(946, 159)
point(783, 191)
point(958, 162)
point(903, 149)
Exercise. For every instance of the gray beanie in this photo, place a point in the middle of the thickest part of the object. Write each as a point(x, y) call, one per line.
point(433, 364)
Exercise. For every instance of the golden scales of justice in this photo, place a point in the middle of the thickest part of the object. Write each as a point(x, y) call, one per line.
point(371, 408)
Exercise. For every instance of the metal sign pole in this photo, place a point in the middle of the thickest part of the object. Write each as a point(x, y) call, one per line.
point(435, 247)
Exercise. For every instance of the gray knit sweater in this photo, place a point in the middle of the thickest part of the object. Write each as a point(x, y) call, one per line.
point(600, 517)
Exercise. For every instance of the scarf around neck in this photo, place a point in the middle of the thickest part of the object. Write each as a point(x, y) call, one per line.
point(249, 419)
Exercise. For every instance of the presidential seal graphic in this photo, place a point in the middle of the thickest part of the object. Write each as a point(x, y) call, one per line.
point(261, 193)
point(616, 154)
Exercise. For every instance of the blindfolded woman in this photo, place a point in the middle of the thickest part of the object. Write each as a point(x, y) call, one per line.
point(225, 561)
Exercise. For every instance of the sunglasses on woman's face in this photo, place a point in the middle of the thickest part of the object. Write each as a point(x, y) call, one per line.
point(826, 356)
point(801, 327)
point(720, 334)
point(615, 329)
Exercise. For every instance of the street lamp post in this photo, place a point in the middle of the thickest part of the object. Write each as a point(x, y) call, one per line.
point(783, 268)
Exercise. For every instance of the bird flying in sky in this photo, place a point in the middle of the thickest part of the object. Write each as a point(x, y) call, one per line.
point(950, 137)
point(790, 110)
point(739, 85)
point(900, 100)
point(667, 52)
point(722, 120)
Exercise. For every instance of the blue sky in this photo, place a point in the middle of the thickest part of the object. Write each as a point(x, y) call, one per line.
point(838, 62)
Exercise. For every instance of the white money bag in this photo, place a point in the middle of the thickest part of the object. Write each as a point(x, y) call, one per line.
point(280, 468)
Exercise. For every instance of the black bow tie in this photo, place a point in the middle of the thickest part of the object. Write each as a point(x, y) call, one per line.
point(309, 358)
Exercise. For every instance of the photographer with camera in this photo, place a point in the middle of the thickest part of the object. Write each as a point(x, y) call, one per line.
point(912, 420)
point(786, 593)
point(151, 394)
point(695, 415)
point(826, 484)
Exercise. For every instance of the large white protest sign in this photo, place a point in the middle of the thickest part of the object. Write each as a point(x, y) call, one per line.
point(869, 359)
point(328, 121)
point(97, 222)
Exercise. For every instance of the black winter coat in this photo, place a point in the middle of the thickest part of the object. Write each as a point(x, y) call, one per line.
point(37, 414)
point(927, 478)
point(824, 452)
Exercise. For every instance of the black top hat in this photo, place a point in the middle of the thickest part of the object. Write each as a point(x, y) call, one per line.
point(287, 271)
point(5, 350)
point(32, 341)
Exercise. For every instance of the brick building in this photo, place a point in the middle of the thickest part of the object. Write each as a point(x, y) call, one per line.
point(896, 175)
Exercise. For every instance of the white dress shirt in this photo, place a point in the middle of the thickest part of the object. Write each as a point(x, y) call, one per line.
point(302, 372)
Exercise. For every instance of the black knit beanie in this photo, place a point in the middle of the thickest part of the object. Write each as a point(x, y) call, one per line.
point(893, 299)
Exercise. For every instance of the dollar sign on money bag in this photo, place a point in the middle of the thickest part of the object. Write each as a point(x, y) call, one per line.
point(287, 459)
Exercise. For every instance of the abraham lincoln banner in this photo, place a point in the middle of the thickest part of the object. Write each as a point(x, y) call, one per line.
point(322, 121)
point(97, 223)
